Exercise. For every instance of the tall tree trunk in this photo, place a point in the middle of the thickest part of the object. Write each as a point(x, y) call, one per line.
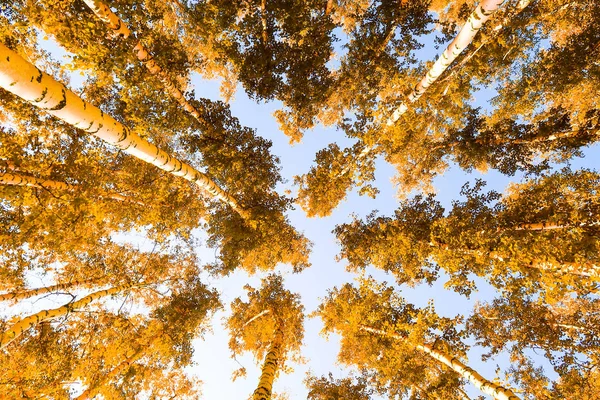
point(25, 294)
point(263, 21)
point(476, 20)
point(30, 181)
point(482, 13)
point(131, 357)
point(26, 81)
point(120, 30)
point(488, 387)
point(520, 7)
point(24, 324)
point(272, 362)
point(546, 226)
point(257, 316)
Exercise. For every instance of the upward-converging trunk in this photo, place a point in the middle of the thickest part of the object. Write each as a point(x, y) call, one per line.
point(26, 323)
point(488, 387)
point(482, 13)
point(25, 294)
point(15, 179)
point(272, 362)
point(26, 81)
point(119, 29)
point(476, 20)
point(520, 7)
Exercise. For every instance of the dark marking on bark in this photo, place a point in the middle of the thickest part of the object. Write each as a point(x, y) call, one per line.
point(42, 96)
point(96, 131)
point(62, 104)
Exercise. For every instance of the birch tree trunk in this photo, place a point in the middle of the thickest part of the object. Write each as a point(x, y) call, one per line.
point(26, 323)
point(482, 13)
point(26, 81)
point(263, 21)
point(30, 181)
point(520, 7)
point(545, 226)
point(120, 30)
point(25, 294)
point(586, 269)
point(488, 387)
point(476, 20)
point(264, 390)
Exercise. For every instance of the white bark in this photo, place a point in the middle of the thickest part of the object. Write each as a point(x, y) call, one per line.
point(23, 79)
point(486, 386)
point(120, 30)
point(482, 13)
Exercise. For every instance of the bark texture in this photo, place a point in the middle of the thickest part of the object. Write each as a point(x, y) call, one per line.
point(264, 391)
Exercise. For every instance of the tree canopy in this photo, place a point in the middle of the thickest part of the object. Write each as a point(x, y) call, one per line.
point(143, 216)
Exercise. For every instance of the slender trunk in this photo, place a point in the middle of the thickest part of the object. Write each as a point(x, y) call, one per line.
point(520, 7)
point(593, 133)
point(482, 13)
point(476, 20)
point(553, 324)
point(26, 81)
point(488, 387)
point(25, 294)
point(545, 226)
point(269, 369)
point(132, 357)
point(24, 324)
point(559, 135)
point(389, 35)
point(30, 181)
point(263, 20)
point(585, 269)
point(120, 30)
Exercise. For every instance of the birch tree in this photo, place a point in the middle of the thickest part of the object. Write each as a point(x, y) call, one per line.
point(25, 80)
point(22, 325)
point(565, 333)
point(368, 316)
point(487, 235)
point(475, 21)
point(155, 349)
point(39, 365)
point(405, 145)
point(274, 337)
point(507, 146)
point(25, 294)
point(119, 29)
